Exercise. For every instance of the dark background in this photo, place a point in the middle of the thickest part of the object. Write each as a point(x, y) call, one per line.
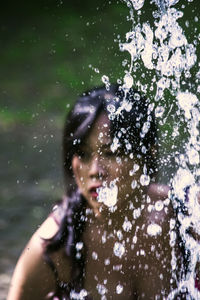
point(49, 53)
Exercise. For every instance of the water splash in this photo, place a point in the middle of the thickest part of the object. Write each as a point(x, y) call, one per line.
point(164, 50)
point(108, 194)
point(78, 296)
point(185, 193)
point(119, 249)
point(154, 229)
point(119, 289)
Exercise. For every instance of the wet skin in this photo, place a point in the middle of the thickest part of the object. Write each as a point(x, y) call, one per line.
point(97, 164)
point(144, 268)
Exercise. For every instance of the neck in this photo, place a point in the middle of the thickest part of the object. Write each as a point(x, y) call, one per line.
point(114, 217)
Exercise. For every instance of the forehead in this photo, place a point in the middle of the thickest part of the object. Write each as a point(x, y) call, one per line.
point(100, 131)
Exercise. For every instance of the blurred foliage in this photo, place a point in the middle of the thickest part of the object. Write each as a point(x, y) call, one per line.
point(51, 50)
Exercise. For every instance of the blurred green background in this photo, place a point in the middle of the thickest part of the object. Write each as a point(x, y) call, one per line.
point(51, 51)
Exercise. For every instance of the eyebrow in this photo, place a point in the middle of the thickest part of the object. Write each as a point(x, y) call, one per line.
point(85, 146)
point(108, 145)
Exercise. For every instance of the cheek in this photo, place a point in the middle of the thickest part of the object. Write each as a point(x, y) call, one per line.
point(81, 175)
point(123, 166)
point(78, 171)
point(124, 173)
point(119, 170)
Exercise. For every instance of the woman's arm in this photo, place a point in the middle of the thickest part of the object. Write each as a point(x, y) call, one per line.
point(32, 278)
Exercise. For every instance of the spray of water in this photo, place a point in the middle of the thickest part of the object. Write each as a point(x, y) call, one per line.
point(164, 50)
point(108, 194)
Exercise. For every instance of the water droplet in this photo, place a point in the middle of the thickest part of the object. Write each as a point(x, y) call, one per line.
point(159, 111)
point(142, 252)
point(119, 289)
point(128, 81)
point(144, 149)
point(127, 226)
point(107, 261)
point(136, 213)
point(187, 101)
point(119, 235)
point(115, 144)
point(108, 195)
point(135, 239)
point(154, 230)
point(137, 4)
point(159, 205)
point(79, 246)
point(111, 108)
point(134, 170)
point(128, 146)
point(94, 255)
point(144, 179)
point(118, 249)
point(102, 290)
point(105, 80)
point(78, 296)
point(136, 96)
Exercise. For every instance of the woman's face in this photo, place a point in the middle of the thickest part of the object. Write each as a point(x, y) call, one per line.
point(96, 166)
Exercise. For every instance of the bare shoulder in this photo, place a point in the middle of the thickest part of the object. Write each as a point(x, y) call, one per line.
point(48, 229)
point(158, 191)
point(32, 278)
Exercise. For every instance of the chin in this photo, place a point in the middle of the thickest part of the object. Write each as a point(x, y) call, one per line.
point(92, 202)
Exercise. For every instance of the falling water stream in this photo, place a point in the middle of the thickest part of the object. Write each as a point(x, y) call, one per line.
point(163, 49)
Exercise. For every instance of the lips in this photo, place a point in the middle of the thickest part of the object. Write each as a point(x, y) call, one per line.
point(93, 191)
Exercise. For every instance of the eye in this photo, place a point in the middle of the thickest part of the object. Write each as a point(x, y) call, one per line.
point(109, 153)
point(84, 155)
point(119, 152)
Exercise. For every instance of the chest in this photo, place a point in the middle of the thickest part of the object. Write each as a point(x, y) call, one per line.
point(125, 264)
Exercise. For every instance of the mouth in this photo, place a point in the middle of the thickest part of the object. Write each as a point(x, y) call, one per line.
point(94, 191)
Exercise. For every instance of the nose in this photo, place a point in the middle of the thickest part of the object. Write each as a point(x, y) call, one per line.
point(96, 168)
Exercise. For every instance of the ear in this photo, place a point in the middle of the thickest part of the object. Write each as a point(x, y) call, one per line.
point(76, 168)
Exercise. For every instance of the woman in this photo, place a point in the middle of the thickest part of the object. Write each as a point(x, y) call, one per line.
point(108, 238)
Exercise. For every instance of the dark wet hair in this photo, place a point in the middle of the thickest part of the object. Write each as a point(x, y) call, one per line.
point(132, 124)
